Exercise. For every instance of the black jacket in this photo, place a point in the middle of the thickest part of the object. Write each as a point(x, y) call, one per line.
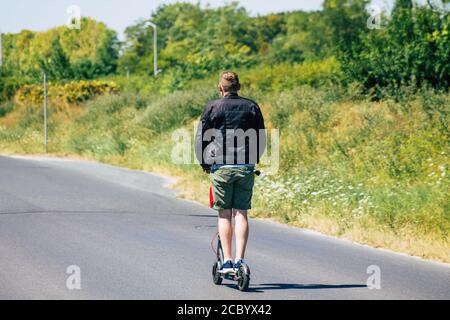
point(231, 131)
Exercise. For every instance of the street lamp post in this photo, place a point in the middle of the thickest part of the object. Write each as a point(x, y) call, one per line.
point(45, 113)
point(155, 48)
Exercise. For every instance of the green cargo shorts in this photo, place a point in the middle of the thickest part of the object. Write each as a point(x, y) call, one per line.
point(232, 187)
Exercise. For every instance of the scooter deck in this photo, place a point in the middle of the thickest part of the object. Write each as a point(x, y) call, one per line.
point(231, 276)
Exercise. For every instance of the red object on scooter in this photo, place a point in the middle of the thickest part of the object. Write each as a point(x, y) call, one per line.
point(211, 197)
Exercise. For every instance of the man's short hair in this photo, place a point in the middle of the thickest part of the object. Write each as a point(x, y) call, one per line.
point(230, 81)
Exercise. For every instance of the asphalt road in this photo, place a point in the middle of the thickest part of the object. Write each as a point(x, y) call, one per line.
point(132, 239)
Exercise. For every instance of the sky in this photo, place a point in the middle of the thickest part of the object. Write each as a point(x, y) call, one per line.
point(16, 15)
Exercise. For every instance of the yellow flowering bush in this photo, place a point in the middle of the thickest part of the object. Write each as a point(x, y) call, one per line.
point(65, 93)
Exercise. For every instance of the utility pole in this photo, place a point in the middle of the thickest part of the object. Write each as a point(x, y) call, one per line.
point(45, 113)
point(155, 48)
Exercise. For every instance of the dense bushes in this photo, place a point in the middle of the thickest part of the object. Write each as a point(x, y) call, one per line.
point(5, 108)
point(287, 76)
point(361, 163)
point(65, 93)
point(196, 41)
point(176, 109)
point(122, 124)
point(62, 53)
point(9, 86)
point(412, 49)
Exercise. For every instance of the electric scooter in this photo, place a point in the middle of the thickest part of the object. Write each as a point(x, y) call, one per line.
point(241, 276)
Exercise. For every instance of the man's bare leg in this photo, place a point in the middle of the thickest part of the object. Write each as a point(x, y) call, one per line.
point(241, 230)
point(226, 232)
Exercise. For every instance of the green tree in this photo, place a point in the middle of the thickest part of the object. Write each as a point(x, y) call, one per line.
point(106, 54)
point(85, 53)
point(413, 49)
point(56, 65)
point(303, 36)
point(346, 20)
point(195, 41)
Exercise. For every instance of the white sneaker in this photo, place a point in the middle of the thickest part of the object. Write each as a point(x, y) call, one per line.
point(227, 267)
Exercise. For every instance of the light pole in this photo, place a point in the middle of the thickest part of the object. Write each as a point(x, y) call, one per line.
point(155, 48)
point(45, 113)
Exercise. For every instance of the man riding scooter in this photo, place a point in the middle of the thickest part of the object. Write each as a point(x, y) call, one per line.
point(229, 144)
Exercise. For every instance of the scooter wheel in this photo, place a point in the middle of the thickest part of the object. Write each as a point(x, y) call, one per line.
point(243, 278)
point(217, 277)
